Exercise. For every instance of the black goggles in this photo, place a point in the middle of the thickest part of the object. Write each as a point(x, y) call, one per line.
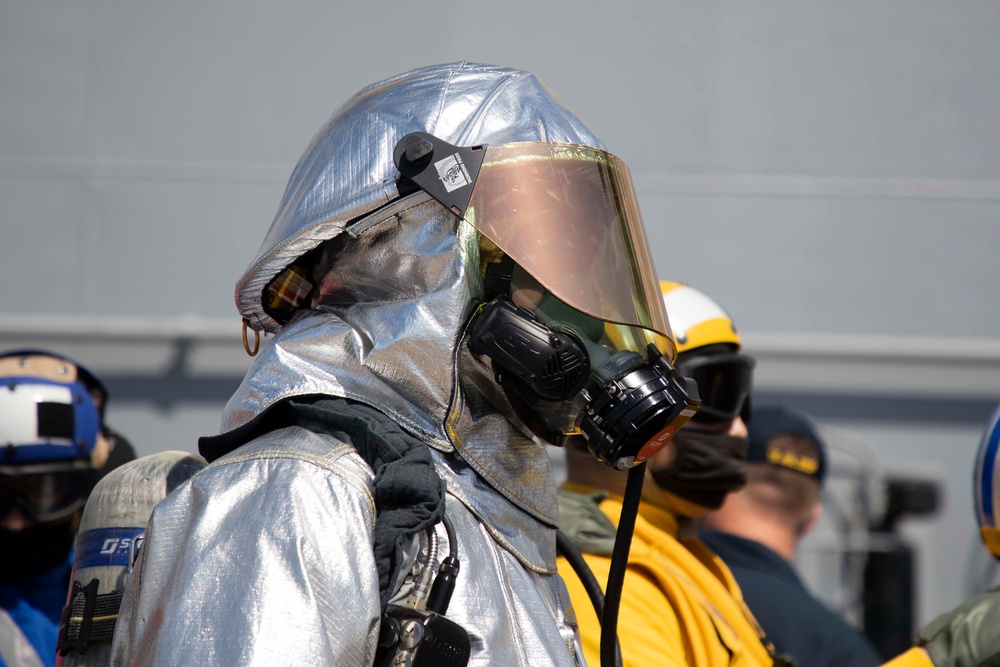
point(724, 383)
point(45, 497)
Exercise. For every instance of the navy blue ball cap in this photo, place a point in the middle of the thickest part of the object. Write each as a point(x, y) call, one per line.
point(768, 423)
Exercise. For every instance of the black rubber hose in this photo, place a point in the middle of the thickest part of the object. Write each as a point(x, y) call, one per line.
point(452, 540)
point(568, 550)
point(619, 563)
point(444, 583)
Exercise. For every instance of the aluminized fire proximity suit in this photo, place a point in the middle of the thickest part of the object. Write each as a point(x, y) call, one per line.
point(266, 556)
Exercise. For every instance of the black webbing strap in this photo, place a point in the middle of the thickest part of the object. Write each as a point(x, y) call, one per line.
point(409, 494)
point(89, 617)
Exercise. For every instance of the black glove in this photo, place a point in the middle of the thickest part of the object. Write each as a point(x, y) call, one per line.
point(967, 636)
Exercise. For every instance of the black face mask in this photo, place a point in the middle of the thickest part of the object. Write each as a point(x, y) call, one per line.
point(709, 466)
point(33, 551)
point(627, 404)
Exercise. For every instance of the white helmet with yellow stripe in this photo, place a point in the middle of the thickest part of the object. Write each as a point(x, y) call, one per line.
point(697, 320)
point(708, 349)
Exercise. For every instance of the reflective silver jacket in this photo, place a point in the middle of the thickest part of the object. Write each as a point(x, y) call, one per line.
point(265, 557)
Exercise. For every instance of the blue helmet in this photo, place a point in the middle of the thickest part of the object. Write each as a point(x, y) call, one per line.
point(51, 443)
point(986, 485)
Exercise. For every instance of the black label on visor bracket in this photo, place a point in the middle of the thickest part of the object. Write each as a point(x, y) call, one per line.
point(447, 173)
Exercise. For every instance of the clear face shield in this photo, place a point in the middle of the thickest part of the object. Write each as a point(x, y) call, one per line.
point(577, 331)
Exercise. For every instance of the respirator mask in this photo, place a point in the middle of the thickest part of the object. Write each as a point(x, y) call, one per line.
point(573, 323)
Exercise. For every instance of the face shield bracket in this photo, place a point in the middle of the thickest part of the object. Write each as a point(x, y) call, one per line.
point(447, 173)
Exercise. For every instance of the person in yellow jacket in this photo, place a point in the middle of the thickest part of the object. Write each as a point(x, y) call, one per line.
point(680, 604)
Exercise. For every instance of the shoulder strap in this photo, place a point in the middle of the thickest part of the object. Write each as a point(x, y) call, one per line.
point(409, 494)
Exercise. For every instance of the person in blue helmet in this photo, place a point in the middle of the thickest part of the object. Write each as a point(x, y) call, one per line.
point(969, 634)
point(986, 489)
point(53, 449)
point(757, 532)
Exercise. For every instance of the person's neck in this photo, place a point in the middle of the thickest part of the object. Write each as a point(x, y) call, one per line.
point(584, 470)
point(774, 536)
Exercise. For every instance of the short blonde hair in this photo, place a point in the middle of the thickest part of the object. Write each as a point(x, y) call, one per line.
point(786, 492)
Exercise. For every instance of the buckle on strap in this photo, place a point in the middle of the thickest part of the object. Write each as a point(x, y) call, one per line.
point(89, 617)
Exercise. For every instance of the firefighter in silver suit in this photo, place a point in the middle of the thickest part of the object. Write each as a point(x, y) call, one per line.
point(457, 275)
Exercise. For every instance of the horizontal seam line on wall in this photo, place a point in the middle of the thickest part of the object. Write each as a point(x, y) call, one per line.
point(798, 186)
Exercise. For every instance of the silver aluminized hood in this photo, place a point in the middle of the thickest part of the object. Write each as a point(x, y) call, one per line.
point(406, 273)
point(347, 171)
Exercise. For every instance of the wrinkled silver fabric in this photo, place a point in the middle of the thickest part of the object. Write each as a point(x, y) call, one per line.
point(270, 573)
point(347, 170)
point(265, 557)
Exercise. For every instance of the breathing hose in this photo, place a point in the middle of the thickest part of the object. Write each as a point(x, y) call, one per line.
point(572, 554)
point(619, 563)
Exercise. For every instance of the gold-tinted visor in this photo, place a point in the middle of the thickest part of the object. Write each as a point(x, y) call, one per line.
point(568, 215)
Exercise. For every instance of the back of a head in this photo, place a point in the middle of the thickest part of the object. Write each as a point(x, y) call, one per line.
point(786, 463)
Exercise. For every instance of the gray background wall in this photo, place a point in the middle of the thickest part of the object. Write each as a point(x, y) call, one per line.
point(826, 171)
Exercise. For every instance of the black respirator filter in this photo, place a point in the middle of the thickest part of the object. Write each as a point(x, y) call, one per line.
point(632, 416)
point(531, 359)
point(633, 407)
